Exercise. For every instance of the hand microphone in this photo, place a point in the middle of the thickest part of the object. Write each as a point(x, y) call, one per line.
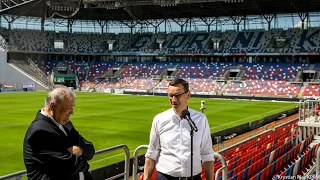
point(186, 115)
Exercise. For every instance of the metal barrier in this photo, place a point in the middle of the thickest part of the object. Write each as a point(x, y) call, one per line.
point(318, 164)
point(135, 160)
point(224, 167)
point(18, 175)
point(253, 136)
point(127, 159)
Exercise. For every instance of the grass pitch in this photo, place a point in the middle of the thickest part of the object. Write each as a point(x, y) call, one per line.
point(109, 120)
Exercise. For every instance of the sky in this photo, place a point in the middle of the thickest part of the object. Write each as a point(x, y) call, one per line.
point(284, 21)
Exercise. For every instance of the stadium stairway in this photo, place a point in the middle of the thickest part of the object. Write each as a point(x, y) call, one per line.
point(26, 69)
point(300, 94)
point(223, 88)
point(226, 74)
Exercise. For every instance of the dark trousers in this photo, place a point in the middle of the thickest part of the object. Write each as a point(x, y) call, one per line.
point(161, 176)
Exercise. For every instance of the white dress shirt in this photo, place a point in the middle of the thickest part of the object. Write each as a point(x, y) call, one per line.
point(170, 143)
point(55, 122)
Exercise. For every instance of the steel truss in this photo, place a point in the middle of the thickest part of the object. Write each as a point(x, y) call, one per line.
point(9, 4)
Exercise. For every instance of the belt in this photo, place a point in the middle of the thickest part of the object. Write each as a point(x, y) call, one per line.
point(196, 177)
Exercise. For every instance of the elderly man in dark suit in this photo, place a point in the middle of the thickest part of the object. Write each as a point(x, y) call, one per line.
point(53, 148)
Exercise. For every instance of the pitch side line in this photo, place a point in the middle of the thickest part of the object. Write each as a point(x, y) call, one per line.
point(103, 159)
point(247, 118)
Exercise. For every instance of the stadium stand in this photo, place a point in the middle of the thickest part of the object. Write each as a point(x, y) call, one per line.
point(249, 41)
point(196, 42)
point(272, 71)
point(312, 90)
point(257, 87)
point(141, 85)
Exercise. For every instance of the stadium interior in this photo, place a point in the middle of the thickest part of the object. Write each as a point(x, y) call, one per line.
point(241, 63)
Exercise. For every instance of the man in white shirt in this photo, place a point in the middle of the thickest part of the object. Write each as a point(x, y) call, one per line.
point(169, 148)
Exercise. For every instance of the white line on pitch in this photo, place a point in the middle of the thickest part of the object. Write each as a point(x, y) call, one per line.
point(108, 158)
point(247, 118)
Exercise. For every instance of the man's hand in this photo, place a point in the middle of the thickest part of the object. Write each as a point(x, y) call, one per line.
point(76, 150)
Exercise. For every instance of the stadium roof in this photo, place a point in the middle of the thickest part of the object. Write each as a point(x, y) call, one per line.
point(156, 9)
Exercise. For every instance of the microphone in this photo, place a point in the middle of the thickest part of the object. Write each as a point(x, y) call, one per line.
point(186, 115)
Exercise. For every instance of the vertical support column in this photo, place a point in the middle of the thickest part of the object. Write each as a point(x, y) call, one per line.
point(303, 17)
point(237, 20)
point(102, 24)
point(10, 19)
point(181, 23)
point(304, 133)
point(70, 24)
point(165, 26)
point(269, 19)
point(299, 139)
point(44, 13)
point(300, 110)
point(208, 22)
point(308, 109)
point(304, 111)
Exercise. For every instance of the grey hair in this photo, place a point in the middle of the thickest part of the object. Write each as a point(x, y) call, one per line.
point(58, 95)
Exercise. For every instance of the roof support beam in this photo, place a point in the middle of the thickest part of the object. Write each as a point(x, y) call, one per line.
point(181, 23)
point(155, 24)
point(269, 18)
point(9, 18)
point(12, 4)
point(208, 21)
point(304, 19)
point(237, 20)
point(102, 24)
point(130, 24)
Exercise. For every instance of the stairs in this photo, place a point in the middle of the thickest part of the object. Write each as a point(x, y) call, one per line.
point(30, 71)
point(302, 90)
point(240, 74)
point(298, 76)
point(226, 74)
point(223, 88)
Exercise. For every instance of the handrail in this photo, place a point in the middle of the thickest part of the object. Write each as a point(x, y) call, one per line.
point(135, 160)
point(255, 135)
point(318, 164)
point(224, 167)
point(18, 175)
point(36, 68)
point(20, 67)
point(126, 162)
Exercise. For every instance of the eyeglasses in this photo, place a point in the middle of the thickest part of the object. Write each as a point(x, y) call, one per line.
point(177, 96)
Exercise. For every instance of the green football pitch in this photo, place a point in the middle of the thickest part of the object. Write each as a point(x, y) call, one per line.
point(109, 120)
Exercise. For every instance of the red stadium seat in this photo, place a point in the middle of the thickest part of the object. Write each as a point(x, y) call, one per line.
point(153, 177)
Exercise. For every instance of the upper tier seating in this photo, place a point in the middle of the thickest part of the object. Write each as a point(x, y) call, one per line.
point(249, 41)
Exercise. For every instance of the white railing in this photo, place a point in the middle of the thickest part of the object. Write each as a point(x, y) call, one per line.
point(36, 68)
point(224, 167)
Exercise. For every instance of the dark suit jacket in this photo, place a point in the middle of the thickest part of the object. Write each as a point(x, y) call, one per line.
point(46, 155)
